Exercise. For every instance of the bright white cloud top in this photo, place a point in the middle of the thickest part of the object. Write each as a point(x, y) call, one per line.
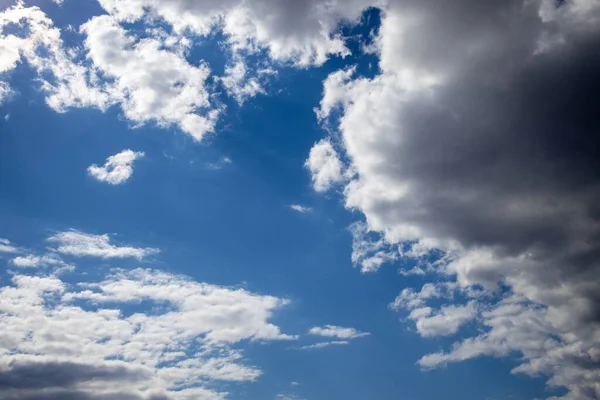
point(117, 169)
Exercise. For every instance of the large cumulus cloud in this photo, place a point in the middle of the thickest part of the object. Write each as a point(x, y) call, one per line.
point(479, 138)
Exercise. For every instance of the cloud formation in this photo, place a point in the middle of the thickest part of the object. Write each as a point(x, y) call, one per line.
point(477, 144)
point(60, 340)
point(81, 244)
point(117, 169)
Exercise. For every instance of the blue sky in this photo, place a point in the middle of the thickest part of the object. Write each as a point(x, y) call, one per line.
point(391, 263)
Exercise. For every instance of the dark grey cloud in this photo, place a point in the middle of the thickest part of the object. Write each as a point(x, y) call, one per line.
point(68, 380)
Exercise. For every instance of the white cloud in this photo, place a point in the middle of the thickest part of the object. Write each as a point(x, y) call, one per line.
point(239, 84)
point(301, 209)
point(444, 322)
point(83, 344)
point(368, 253)
point(325, 344)
point(428, 321)
point(84, 244)
point(66, 82)
point(150, 83)
point(337, 332)
point(301, 32)
point(117, 169)
point(515, 325)
point(33, 261)
point(7, 247)
point(324, 166)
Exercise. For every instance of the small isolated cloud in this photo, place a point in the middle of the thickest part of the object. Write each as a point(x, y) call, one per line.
point(7, 247)
point(337, 332)
point(117, 169)
point(83, 244)
point(300, 209)
point(324, 165)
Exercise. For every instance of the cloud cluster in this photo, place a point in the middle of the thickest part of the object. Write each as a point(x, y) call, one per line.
point(117, 169)
point(149, 76)
point(141, 334)
point(303, 32)
point(477, 143)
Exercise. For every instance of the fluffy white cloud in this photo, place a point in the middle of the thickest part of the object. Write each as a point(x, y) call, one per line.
point(67, 82)
point(301, 209)
point(444, 322)
point(66, 341)
point(431, 322)
point(117, 169)
point(150, 83)
point(324, 166)
point(84, 244)
point(302, 32)
point(239, 84)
